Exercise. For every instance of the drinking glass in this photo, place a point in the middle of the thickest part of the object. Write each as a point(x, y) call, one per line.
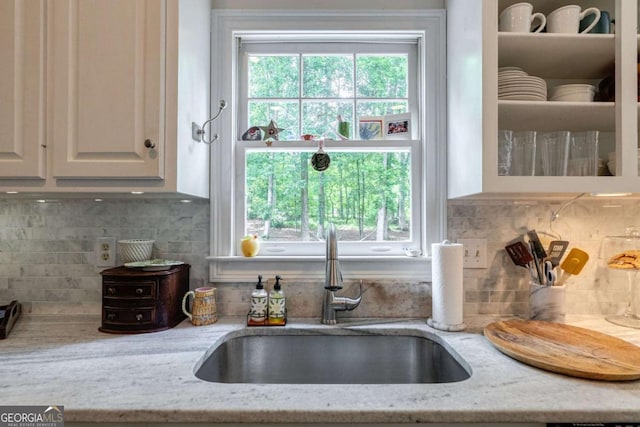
point(554, 152)
point(505, 147)
point(523, 161)
point(583, 153)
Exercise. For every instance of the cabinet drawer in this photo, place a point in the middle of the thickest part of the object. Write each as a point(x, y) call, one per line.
point(135, 302)
point(131, 290)
point(128, 316)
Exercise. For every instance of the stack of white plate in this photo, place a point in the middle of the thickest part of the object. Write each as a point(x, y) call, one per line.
point(515, 84)
point(573, 93)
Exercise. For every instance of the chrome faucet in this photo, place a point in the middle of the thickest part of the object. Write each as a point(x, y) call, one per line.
point(331, 303)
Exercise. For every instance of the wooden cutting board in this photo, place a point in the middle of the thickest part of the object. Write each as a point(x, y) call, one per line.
point(566, 349)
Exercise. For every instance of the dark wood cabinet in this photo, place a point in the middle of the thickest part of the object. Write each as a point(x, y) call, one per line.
point(135, 301)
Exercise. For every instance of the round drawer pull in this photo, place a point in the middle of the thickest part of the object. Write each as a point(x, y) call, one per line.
point(139, 291)
point(111, 291)
point(139, 317)
point(111, 316)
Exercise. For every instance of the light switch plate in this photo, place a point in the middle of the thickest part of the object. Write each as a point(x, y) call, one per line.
point(475, 253)
point(105, 252)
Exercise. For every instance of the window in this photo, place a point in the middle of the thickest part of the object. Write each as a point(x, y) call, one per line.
point(383, 187)
point(307, 89)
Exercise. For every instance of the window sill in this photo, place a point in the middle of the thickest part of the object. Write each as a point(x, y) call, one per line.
point(243, 269)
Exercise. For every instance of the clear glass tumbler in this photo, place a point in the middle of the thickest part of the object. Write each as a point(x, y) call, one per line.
point(554, 152)
point(523, 161)
point(583, 153)
point(505, 147)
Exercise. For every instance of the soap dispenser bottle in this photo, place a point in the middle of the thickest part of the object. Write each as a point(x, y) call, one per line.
point(258, 310)
point(277, 309)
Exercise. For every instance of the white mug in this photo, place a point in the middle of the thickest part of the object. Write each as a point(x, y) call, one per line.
point(567, 19)
point(519, 18)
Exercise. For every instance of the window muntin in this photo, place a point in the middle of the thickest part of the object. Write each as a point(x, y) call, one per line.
point(280, 194)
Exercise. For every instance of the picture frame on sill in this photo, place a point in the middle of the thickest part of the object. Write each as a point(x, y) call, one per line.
point(397, 126)
point(370, 127)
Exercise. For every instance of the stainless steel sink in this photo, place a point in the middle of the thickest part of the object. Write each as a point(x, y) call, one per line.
point(311, 357)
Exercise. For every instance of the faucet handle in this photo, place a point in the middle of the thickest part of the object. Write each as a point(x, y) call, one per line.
point(347, 303)
point(360, 292)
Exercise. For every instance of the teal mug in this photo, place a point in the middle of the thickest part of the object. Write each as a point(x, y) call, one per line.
point(602, 27)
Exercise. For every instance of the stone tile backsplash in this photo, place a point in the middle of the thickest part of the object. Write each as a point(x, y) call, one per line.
point(47, 255)
point(503, 287)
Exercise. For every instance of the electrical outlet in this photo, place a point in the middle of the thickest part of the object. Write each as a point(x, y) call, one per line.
point(475, 253)
point(105, 252)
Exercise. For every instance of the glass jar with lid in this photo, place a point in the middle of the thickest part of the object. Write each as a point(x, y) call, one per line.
point(621, 258)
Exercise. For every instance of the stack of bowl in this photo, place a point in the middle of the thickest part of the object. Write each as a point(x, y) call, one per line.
point(611, 164)
point(573, 93)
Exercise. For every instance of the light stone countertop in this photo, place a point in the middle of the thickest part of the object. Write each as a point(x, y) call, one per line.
point(98, 377)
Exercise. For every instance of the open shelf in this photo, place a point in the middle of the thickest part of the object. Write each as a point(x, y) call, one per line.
point(553, 115)
point(558, 56)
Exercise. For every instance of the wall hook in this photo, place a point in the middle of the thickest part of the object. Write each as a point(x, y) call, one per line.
point(198, 132)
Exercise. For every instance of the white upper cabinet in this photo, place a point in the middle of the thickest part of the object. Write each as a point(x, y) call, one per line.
point(477, 112)
point(107, 77)
point(22, 90)
point(124, 81)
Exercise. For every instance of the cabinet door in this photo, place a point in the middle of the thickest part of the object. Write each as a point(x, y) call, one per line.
point(107, 80)
point(22, 136)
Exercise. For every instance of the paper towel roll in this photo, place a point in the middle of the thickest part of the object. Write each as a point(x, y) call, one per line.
point(446, 286)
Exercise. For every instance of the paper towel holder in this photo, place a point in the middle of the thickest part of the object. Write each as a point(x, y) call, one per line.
point(439, 324)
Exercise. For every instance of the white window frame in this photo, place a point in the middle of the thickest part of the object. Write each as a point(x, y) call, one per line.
point(429, 27)
point(401, 46)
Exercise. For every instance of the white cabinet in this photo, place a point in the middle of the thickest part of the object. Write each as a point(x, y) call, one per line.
point(475, 51)
point(125, 80)
point(107, 84)
point(22, 88)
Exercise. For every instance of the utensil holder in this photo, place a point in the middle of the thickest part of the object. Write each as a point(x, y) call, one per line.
point(547, 302)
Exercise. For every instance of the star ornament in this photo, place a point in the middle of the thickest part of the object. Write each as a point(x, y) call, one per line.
point(270, 131)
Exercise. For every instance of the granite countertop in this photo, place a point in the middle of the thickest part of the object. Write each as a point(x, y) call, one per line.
point(98, 377)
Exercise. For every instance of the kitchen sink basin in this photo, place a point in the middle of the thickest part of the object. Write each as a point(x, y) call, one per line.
point(311, 357)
